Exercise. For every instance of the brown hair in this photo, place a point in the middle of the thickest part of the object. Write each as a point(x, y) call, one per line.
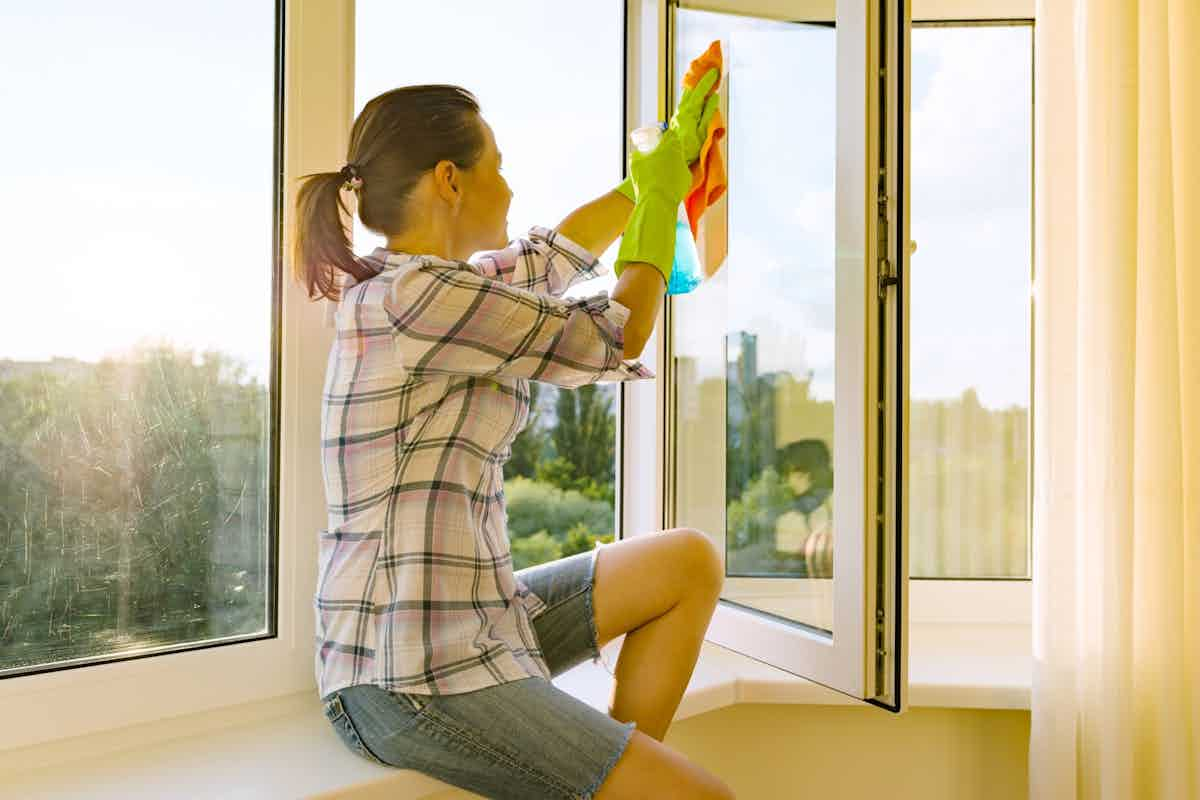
point(397, 138)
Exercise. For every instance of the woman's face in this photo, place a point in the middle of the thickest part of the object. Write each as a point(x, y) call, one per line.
point(483, 217)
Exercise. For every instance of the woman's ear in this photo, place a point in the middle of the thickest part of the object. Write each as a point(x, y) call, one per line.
point(447, 181)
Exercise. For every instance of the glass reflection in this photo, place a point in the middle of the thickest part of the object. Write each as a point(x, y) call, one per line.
point(754, 345)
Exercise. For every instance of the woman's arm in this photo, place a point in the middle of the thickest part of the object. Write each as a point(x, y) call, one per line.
point(543, 261)
point(641, 286)
point(447, 319)
point(596, 225)
point(640, 289)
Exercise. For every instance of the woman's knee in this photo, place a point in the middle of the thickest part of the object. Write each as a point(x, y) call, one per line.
point(706, 569)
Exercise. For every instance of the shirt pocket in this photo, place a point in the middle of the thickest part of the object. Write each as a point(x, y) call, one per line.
point(345, 561)
point(345, 598)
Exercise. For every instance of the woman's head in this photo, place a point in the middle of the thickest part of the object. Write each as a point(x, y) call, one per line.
point(430, 183)
point(806, 463)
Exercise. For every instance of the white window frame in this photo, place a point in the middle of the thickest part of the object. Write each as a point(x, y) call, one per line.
point(318, 59)
point(318, 65)
point(645, 409)
point(849, 661)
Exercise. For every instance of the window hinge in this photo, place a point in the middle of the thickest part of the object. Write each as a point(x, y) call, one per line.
point(887, 276)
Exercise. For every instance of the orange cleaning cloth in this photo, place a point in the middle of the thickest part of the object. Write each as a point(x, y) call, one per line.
point(708, 172)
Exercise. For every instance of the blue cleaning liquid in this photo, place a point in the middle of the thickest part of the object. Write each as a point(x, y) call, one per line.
point(685, 272)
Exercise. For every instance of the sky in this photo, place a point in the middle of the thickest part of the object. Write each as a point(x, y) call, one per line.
point(135, 195)
point(554, 101)
point(136, 202)
point(971, 99)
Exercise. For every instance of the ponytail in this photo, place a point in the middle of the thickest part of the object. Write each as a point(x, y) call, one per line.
point(396, 138)
point(322, 241)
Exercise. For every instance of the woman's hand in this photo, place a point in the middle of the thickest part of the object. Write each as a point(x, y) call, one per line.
point(689, 123)
point(662, 171)
point(661, 180)
point(694, 113)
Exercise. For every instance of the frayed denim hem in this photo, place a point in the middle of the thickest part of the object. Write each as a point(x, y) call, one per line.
point(590, 792)
point(598, 657)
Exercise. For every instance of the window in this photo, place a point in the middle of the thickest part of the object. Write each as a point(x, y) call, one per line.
point(122, 224)
point(970, 348)
point(560, 132)
point(753, 348)
point(136, 358)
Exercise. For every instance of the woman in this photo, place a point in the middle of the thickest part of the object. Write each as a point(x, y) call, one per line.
point(432, 654)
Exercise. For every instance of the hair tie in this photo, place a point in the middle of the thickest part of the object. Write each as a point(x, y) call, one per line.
point(350, 177)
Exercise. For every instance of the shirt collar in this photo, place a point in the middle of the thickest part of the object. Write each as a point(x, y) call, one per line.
point(381, 258)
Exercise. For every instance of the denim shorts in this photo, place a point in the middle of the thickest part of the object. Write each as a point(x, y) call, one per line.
point(525, 739)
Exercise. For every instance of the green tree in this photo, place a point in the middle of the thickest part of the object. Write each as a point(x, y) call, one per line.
point(584, 439)
point(751, 518)
point(133, 504)
point(530, 446)
point(580, 539)
point(535, 549)
point(562, 473)
point(534, 506)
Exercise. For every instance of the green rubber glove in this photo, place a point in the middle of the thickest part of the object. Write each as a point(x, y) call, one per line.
point(690, 122)
point(694, 113)
point(661, 179)
point(625, 187)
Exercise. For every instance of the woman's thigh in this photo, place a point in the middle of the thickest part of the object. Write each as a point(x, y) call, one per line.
point(596, 596)
point(641, 578)
point(566, 628)
point(522, 739)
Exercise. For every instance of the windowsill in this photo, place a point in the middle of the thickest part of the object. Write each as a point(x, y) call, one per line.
point(284, 747)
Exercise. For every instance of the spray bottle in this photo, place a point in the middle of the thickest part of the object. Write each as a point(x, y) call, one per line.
point(685, 271)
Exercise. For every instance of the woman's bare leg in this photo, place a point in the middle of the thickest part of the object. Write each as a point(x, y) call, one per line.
point(660, 591)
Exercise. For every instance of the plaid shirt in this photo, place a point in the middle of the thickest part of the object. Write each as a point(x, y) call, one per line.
point(426, 386)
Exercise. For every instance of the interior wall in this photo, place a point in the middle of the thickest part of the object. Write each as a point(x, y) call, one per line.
point(788, 752)
point(770, 751)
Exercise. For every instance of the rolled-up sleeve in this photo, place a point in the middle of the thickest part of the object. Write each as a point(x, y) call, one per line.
point(452, 320)
point(543, 262)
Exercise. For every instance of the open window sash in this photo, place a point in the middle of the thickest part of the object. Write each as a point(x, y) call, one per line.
point(785, 369)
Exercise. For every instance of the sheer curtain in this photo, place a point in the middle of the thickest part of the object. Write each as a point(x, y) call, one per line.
point(1115, 707)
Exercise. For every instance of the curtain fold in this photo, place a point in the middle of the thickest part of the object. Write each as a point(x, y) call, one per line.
point(1116, 419)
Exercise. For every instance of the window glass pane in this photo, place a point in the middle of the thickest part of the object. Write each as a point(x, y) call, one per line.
point(754, 345)
point(972, 102)
point(550, 85)
point(137, 200)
